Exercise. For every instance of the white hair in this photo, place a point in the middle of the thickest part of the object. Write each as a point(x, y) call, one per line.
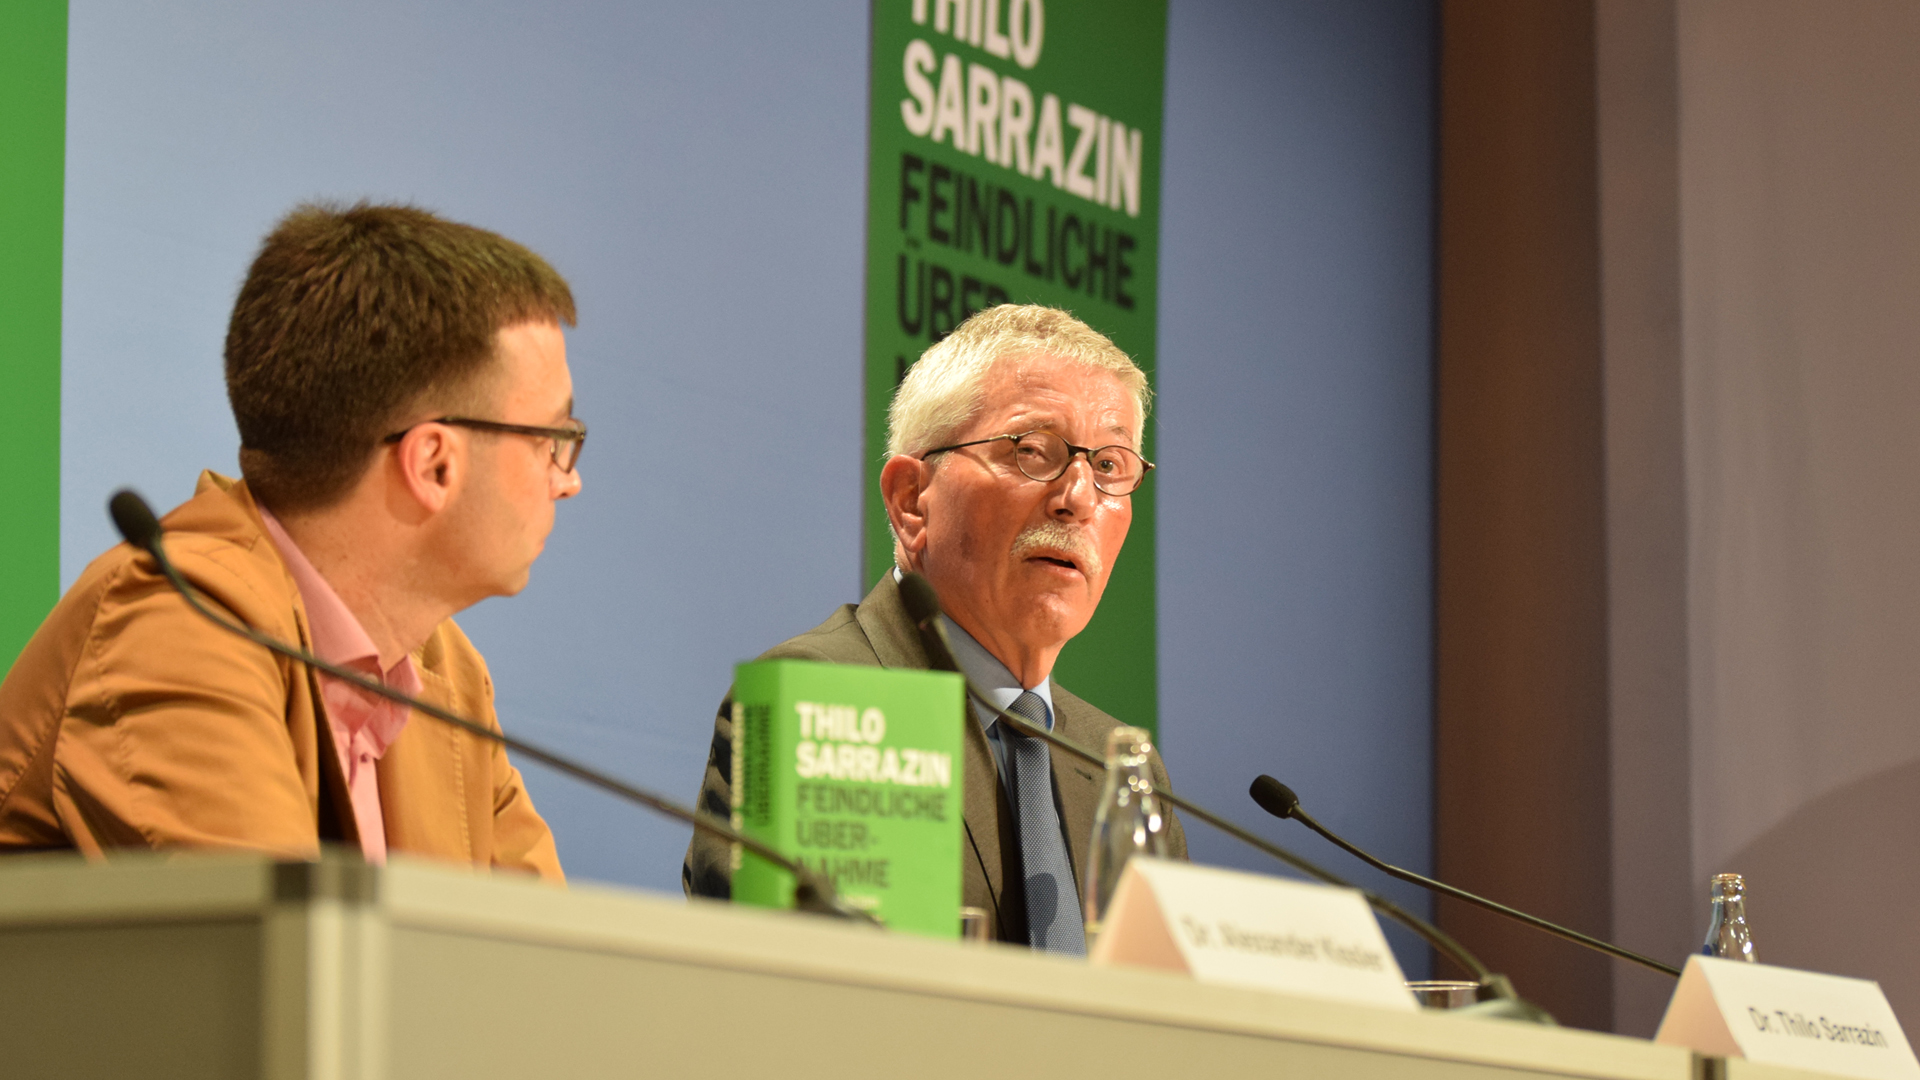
point(945, 390)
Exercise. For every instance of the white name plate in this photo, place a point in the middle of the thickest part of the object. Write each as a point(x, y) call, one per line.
point(1223, 926)
point(1780, 1016)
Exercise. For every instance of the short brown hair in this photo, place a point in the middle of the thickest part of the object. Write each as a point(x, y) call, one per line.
point(349, 318)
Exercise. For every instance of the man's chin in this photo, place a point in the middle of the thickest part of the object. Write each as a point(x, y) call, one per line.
point(511, 585)
point(1069, 593)
point(1059, 614)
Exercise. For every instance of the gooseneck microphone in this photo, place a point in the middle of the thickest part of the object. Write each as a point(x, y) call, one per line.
point(812, 892)
point(1279, 800)
point(1497, 993)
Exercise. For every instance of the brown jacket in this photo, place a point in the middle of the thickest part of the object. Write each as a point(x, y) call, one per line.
point(130, 721)
point(879, 631)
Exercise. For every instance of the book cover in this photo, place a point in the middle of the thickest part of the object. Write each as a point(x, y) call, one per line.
point(854, 771)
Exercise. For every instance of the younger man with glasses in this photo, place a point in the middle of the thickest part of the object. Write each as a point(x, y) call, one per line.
point(1013, 454)
point(401, 389)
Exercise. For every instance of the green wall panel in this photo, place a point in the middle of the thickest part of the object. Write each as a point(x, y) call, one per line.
point(33, 100)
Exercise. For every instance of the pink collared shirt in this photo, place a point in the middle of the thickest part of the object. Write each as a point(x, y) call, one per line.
point(363, 725)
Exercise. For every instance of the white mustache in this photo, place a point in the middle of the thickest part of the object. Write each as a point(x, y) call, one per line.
point(1053, 536)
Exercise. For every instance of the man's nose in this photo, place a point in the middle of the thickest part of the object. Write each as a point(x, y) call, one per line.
point(1074, 493)
point(568, 485)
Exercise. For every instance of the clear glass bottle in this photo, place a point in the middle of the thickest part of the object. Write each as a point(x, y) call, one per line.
point(1727, 934)
point(1131, 820)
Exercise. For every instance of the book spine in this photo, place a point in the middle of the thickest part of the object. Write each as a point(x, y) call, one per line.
point(737, 791)
point(755, 749)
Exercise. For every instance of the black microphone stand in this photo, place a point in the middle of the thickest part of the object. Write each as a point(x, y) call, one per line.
point(1285, 804)
point(1498, 997)
point(812, 893)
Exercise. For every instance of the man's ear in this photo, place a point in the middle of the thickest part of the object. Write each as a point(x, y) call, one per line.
point(432, 463)
point(903, 485)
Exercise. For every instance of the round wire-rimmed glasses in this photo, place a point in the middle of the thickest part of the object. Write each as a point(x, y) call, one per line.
point(1044, 456)
point(568, 441)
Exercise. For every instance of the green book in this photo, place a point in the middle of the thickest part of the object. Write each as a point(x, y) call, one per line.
point(854, 771)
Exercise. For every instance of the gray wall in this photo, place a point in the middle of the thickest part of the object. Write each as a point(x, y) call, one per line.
point(696, 171)
point(1758, 254)
point(1800, 241)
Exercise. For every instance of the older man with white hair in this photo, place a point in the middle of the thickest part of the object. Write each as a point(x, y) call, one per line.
point(1013, 452)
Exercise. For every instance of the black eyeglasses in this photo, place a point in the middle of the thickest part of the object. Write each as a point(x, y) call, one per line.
point(568, 441)
point(1044, 456)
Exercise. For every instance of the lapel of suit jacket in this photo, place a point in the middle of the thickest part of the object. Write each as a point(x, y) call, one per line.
point(430, 780)
point(883, 617)
point(1077, 782)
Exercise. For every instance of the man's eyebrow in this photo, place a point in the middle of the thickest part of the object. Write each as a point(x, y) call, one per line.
point(566, 412)
point(1051, 423)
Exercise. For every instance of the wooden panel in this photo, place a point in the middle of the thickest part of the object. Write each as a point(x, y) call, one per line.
point(1521, 747)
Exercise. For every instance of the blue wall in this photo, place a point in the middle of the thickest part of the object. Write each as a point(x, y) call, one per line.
point(696, 171)
point(1295, 427)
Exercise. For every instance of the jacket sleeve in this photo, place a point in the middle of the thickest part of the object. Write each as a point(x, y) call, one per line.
point(176, 732)
point(708, 868)
point(521, 839)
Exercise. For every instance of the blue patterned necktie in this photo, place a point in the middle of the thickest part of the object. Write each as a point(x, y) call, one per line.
point(1053, 909)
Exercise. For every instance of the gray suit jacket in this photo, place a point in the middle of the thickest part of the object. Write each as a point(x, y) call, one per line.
point(879, 632)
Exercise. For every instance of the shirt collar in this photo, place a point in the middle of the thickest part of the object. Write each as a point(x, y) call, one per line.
point(988, 673)
point(338, 636)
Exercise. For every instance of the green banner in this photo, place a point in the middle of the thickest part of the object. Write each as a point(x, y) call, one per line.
point(33, 124)
point(1014, 156)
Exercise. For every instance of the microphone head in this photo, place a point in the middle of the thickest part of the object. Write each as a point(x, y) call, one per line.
point(1274, 797)
point(921, 601)
point(134, 518)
